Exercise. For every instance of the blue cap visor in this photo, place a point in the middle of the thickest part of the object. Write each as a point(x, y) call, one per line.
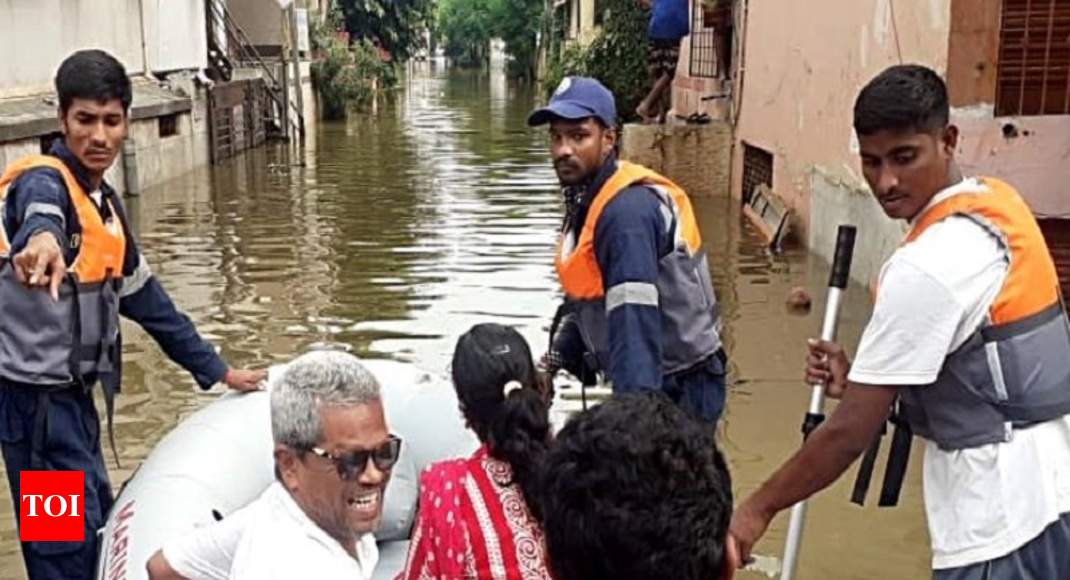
point(560, 110)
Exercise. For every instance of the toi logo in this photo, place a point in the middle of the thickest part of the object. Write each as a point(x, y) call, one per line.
point(52, 506)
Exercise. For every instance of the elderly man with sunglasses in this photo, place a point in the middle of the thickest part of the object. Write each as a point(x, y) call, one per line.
point(333, 456)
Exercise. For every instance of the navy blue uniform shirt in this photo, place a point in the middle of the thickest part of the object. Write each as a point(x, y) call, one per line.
point(37, 201)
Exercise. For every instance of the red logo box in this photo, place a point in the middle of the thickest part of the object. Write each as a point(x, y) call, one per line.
point(52, 506)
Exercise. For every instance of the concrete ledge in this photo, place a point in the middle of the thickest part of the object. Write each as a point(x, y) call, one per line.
point(696, 157)
point(27, 117)
point(24, 126)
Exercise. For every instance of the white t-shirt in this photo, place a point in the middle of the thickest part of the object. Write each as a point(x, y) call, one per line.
point(984, 502)
point(271, 538)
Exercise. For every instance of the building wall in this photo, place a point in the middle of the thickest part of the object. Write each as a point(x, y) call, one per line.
point(262, 20)
point(798, 92)
point(798, 89)
point(581, 26)
point(1031, 152)
point(973, 52)
point(43, 32)
point(158, 159)
point(838, 200)
point(14, 150)
point(691, 95)
point(587, 27)
point(162, 158)
point(175, 34)
point(696, 157)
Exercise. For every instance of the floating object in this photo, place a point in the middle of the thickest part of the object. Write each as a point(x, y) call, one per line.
point(799, 299)
point(769, 215)
point(219, 459)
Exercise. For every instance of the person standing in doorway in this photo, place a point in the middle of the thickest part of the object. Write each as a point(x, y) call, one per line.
point(668, 25)
point(69, 266)
point(639, 304)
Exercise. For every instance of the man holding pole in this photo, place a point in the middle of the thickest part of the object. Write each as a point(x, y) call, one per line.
point(969, 333)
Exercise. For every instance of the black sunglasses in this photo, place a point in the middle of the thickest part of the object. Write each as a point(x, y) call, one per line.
point(351, 465)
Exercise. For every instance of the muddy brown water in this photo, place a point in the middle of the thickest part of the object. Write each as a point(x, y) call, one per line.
point(407, 226)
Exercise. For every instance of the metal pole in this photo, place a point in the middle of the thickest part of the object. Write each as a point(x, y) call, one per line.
point(296, 52)
point(815, 414)
point(284, 91)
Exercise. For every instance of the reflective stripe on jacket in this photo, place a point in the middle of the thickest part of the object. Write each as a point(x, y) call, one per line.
point(1015, 369)
point(683, 294)
point(56, 343)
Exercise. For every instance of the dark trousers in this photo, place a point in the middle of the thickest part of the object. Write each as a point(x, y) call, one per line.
point(65, 438)
point(1045, 557)
point(700, 390)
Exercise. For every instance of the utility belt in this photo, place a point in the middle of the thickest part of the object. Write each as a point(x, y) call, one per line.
point(898, 459)
point(43, 401)
point(43, 395)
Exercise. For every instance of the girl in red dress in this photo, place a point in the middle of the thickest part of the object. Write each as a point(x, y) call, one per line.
point(476, 517)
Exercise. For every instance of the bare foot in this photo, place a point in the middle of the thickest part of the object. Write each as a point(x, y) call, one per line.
point(644, 116)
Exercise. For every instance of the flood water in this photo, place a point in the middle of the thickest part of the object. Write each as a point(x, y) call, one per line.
point(405, 227)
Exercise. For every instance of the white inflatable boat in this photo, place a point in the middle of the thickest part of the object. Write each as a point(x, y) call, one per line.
point(220, 458)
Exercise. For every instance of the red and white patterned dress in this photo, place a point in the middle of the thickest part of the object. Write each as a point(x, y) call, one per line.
point(474, 523)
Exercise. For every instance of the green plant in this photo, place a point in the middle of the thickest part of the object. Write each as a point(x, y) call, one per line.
point(346, 75)
point(323, 32)
point(571, 61)
point(517, 23)
point(617, 57)
point(466, 27)
point(398, 25)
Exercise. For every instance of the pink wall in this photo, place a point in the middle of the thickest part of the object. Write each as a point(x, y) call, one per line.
point(803, 66)
point(688, 91)
point(1035, 158)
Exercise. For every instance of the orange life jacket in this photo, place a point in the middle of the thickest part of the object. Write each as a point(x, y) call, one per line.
point(1015, 369)
point(1032, 283)
point(102, 246)
point(684, 291)
point(43, 342)
point(580, 276)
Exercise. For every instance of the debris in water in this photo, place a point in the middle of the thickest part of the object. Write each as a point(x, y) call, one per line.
point(768, 566)
point(799, 300)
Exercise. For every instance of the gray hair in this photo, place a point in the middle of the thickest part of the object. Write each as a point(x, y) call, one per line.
point(311, 382)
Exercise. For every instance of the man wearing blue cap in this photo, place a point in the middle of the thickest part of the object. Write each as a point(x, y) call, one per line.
point(639, 305)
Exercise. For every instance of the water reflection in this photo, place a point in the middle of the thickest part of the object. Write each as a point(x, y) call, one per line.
point(390, 234)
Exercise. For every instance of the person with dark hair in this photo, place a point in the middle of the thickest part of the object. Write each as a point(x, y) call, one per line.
point(968, 342)
point(69, 266)
point(477, 516)
point(634, 488)
point(639, 304)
